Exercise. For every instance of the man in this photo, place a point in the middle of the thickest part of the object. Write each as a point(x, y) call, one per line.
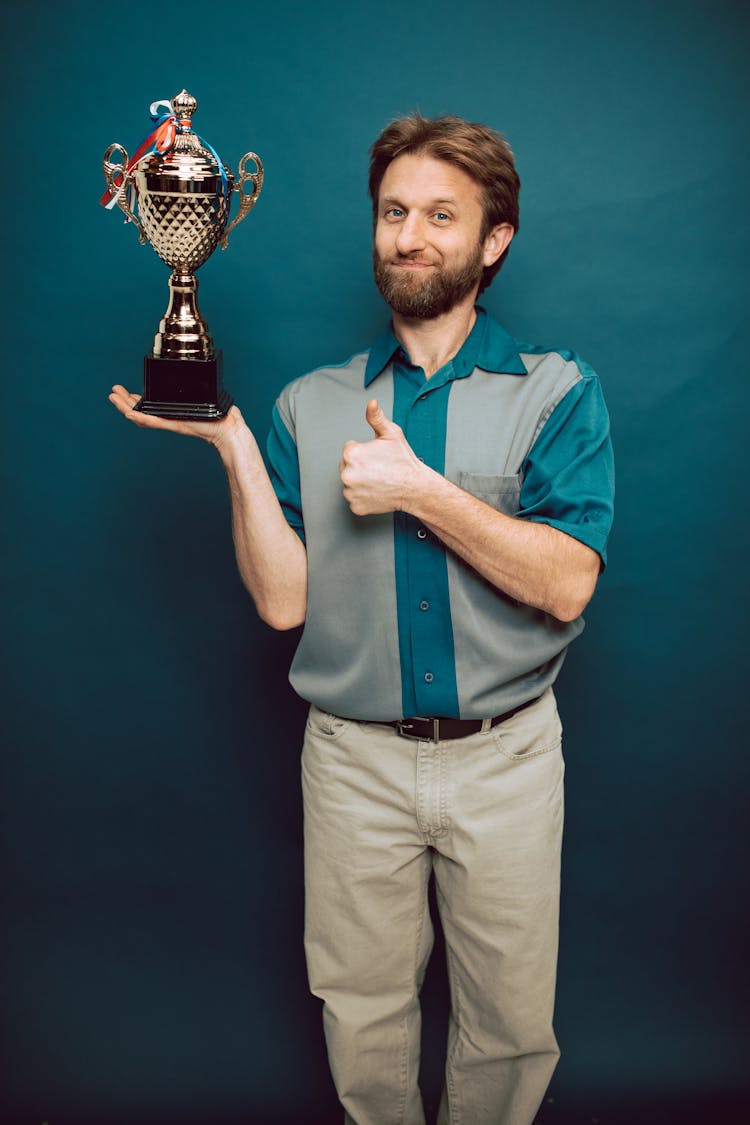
point(436, 515)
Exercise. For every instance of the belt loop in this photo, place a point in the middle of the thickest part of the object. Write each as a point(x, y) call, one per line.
point(436, 730)
point(486, 725)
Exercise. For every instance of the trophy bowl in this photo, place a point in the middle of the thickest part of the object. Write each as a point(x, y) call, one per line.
point(177, 193)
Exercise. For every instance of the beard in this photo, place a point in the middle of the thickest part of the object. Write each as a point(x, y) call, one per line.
point(424, 298)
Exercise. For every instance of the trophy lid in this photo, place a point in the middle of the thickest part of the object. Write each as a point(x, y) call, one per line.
point(190, 161)
point(184, 106)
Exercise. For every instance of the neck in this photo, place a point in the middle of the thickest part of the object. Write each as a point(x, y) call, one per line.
point(431, 343)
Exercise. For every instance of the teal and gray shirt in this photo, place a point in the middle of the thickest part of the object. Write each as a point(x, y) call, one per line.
point(397, 625)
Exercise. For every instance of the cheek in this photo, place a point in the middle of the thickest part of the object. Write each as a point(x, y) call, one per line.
point(452, 249)
point(383, 240)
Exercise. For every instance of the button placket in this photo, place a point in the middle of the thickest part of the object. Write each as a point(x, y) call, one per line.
point(422, 415)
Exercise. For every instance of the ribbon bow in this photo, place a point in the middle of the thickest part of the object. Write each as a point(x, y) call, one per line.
point(160, 139)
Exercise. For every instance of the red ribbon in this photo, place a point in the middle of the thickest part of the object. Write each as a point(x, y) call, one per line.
point(160, 139)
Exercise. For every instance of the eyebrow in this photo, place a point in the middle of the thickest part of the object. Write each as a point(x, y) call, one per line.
point(433, 202)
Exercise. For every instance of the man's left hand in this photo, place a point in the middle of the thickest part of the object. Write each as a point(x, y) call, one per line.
point(379, 475)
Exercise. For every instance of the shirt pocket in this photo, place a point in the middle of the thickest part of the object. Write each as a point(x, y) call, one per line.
point(503, 493)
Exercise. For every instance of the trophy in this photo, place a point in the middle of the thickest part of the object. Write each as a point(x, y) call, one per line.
point(182, 193)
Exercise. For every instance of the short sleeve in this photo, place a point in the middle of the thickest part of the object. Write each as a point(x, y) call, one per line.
point(568, 474)
point(283, 465)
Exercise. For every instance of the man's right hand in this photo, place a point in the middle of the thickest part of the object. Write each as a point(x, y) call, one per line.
point(216, 433)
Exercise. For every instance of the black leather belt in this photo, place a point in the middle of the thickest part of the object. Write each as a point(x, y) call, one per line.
point(435, 730)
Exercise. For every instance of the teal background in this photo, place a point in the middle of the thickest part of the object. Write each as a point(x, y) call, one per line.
point(152, 967)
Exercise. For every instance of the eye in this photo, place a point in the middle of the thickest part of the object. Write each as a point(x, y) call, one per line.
point(394, 213)
point(441, 217)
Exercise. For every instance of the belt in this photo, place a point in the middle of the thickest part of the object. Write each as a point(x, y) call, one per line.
point(437, 729)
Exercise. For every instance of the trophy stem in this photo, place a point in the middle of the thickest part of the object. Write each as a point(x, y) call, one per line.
point(183, 376)
point(183, 333)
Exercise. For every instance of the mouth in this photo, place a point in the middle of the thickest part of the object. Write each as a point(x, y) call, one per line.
point(411, 264)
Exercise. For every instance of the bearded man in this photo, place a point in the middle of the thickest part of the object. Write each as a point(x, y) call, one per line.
point(436, 516)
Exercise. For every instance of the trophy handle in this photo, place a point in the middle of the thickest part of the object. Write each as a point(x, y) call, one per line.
point(120, 191)
point(247, 202)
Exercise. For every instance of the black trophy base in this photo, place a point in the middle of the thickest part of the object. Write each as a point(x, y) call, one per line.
point(190, 389)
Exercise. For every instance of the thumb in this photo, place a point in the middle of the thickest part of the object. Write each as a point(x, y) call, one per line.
point(381, 424)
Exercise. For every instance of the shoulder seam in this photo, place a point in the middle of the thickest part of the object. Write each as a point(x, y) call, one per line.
point(336, 366)
point(293, 384)
point(585, 370)
point(552, 403)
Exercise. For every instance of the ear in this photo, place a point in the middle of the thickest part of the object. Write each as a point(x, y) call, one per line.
point(497, 242)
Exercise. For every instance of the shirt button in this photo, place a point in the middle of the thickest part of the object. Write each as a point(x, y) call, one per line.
point(424, 604)
point(421, 533)
point(428, 677)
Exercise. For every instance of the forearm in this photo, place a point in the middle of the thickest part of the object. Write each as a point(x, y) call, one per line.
point(271, 558)
point(532, 562)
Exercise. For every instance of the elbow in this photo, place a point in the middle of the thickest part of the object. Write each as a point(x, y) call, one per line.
point(568, 611)
point(283, 624)
point(571, 602)
point(282, 618)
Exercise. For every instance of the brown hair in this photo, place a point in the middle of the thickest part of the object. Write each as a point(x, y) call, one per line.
point(481, 152)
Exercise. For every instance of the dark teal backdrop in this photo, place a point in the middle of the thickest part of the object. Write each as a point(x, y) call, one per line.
point(152, 967)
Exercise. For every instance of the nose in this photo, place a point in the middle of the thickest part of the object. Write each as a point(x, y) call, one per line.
point(411, 235)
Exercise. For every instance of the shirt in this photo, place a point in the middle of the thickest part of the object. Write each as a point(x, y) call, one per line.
point(397, 625)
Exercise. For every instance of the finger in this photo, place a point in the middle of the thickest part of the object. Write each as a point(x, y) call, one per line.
point(126, 403)
point(123, 400)
point(123, 392)
point(381, 424)
point(347, 475)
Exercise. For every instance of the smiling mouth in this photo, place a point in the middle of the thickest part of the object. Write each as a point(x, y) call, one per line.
point(410, 264)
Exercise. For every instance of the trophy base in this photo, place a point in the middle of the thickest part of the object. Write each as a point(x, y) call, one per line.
point(188, 389)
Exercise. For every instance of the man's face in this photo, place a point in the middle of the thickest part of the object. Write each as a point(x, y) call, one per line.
point(428, 254)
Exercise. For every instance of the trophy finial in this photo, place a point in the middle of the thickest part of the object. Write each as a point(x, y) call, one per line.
point(184, 106)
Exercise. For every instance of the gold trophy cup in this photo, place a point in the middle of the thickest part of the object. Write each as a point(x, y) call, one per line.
point(182, 194)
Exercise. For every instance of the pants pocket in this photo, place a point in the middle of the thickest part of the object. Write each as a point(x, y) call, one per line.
point(326, 724)
point(535, 730)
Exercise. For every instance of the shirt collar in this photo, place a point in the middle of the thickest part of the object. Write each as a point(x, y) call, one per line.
point(488, 346)
point(381, 354)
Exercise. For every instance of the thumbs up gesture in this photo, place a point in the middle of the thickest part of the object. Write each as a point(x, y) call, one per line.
point(383, 474)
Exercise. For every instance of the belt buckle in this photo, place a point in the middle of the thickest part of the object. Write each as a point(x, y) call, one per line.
point(404, 727)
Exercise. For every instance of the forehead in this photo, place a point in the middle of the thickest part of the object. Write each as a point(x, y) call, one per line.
point(418, 179)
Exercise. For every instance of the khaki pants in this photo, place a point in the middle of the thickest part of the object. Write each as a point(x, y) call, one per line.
point(484, 813)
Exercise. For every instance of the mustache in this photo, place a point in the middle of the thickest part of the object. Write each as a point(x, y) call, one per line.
point(415, 257)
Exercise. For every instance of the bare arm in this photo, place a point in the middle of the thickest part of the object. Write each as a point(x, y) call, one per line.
point(532, 562)
point(271, 558)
